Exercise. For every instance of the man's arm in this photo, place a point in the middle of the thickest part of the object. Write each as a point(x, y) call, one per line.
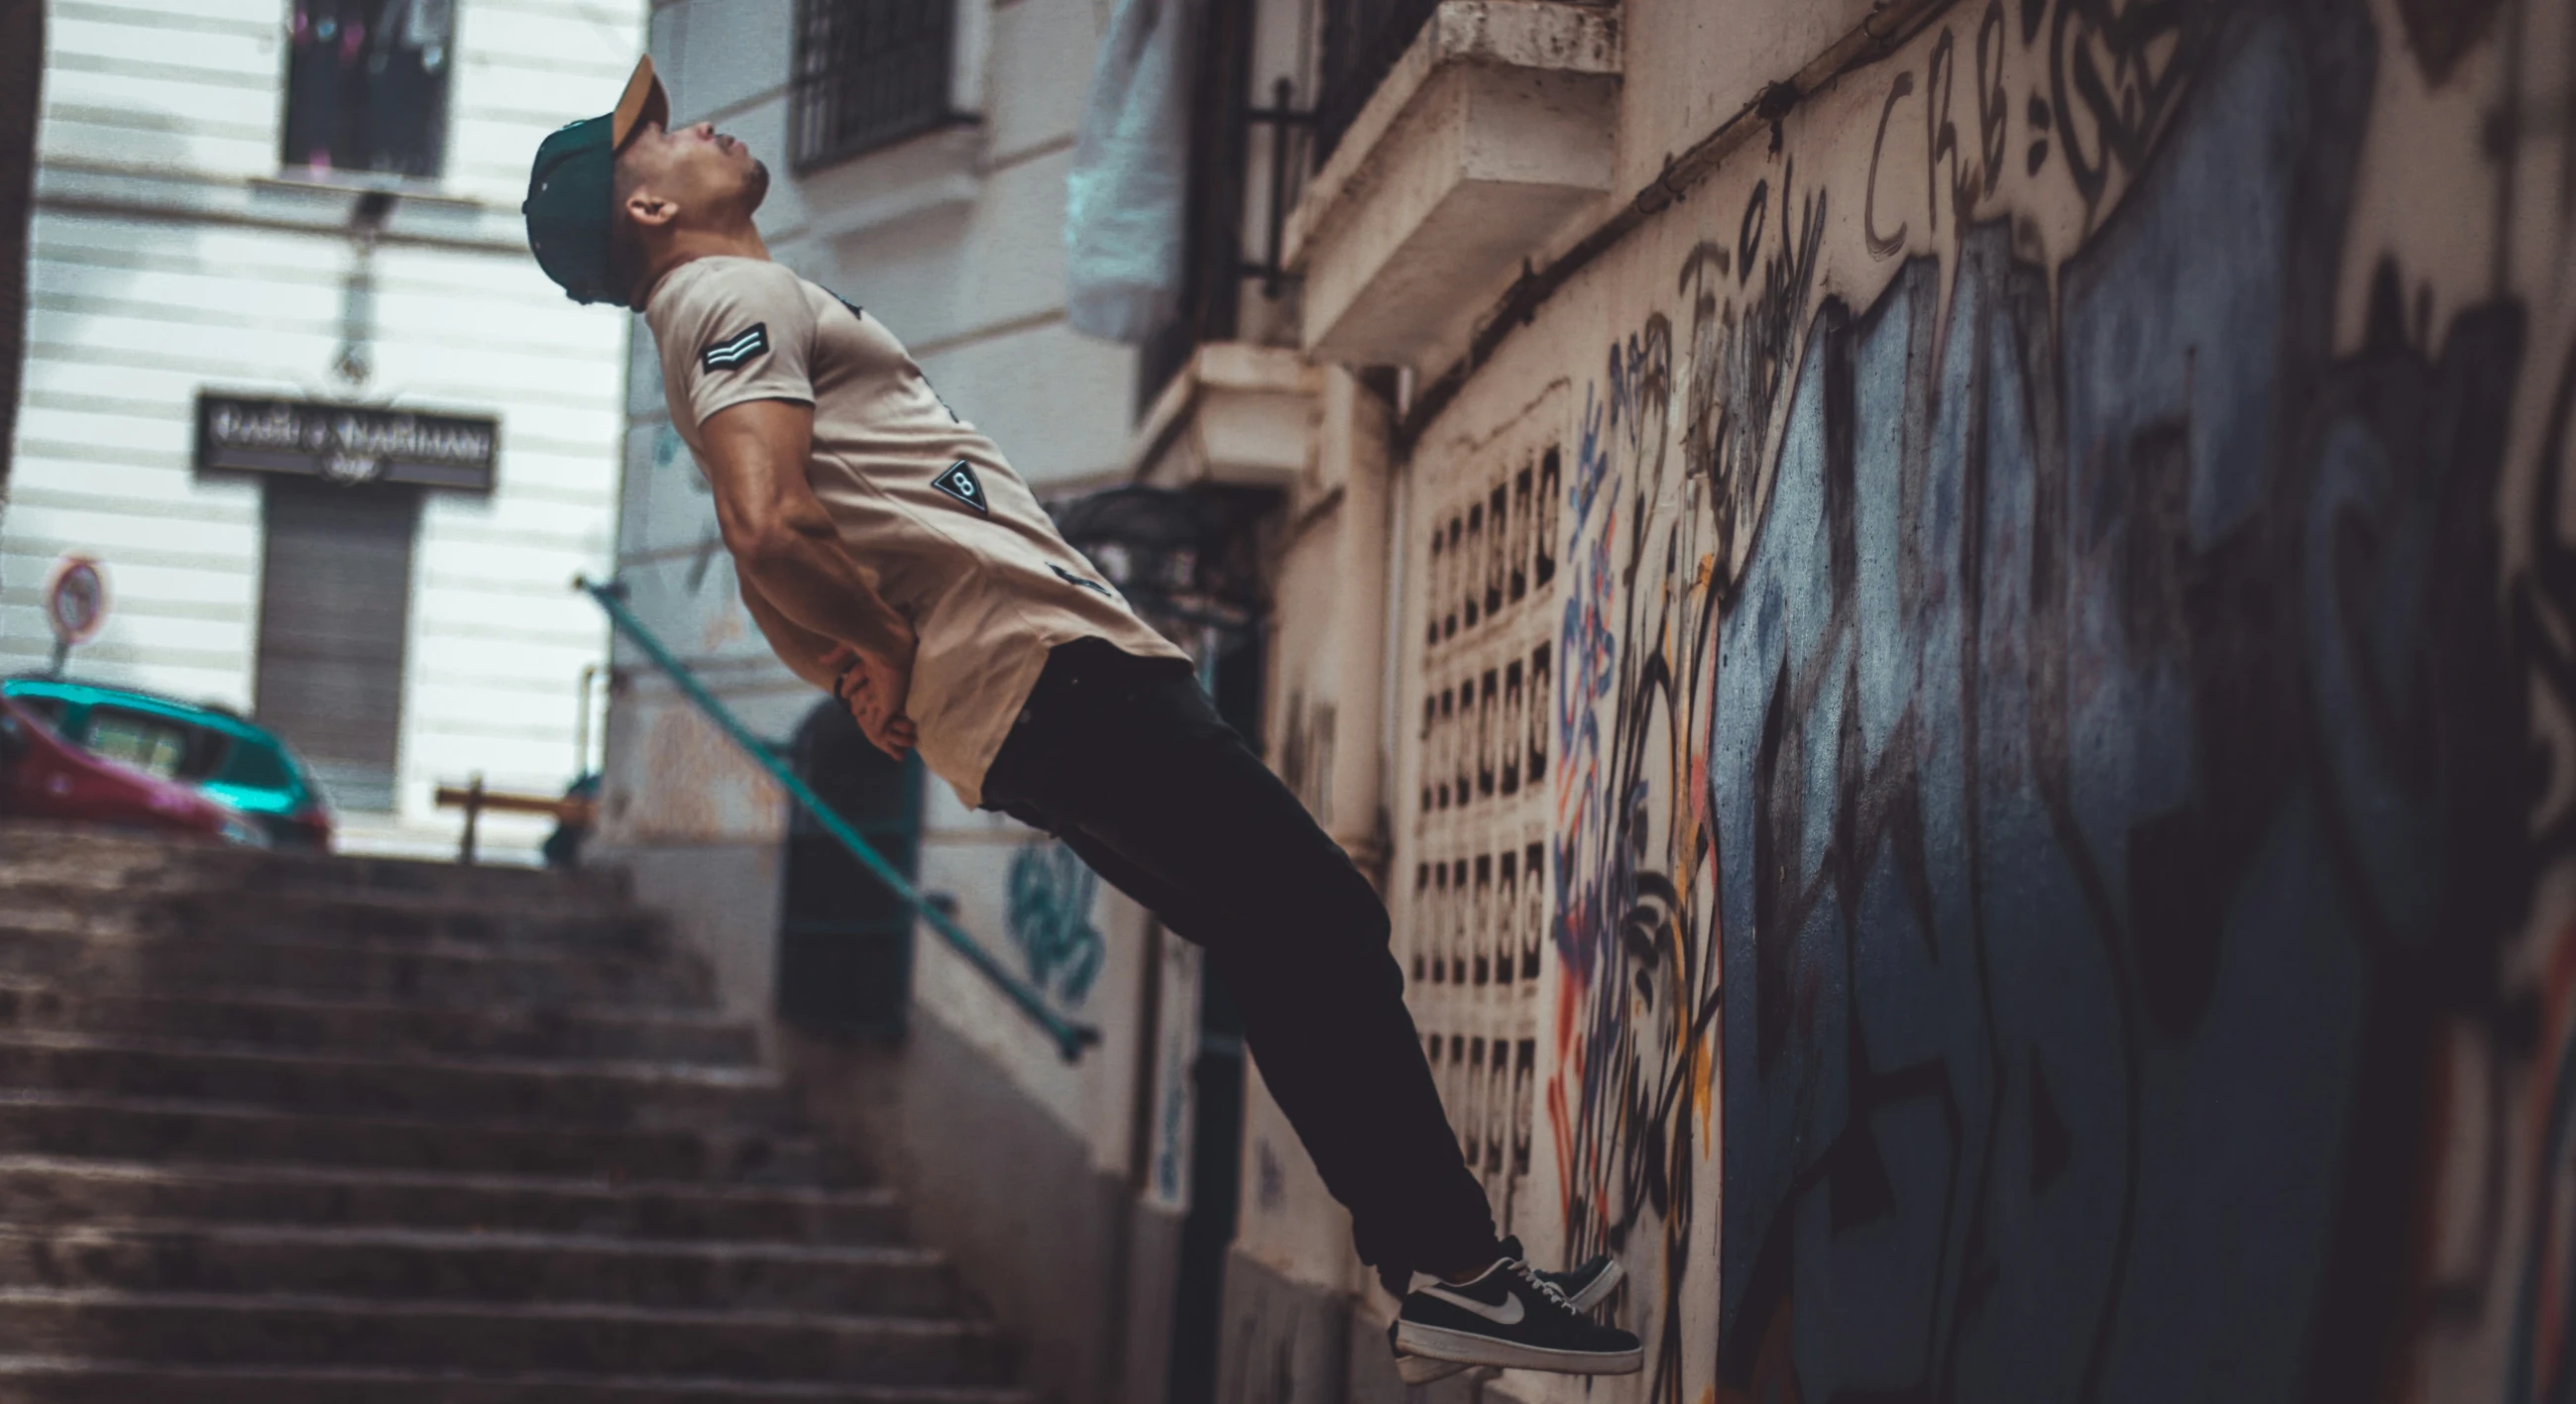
point(787, 552)
point(783, 543)
point(800, 648)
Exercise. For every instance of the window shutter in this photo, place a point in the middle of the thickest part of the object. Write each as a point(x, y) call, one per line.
point(334, 612)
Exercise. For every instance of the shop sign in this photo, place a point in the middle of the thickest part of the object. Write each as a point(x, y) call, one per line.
point(346, 443)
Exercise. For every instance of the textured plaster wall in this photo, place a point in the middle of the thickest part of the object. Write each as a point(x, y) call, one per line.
point(2056, 769)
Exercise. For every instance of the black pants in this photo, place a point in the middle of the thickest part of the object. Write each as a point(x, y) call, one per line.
point(1124, 760)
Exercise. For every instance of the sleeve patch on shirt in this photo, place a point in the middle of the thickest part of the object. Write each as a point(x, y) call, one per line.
point(1072, 579)
point(960, 482)
point(736, 349)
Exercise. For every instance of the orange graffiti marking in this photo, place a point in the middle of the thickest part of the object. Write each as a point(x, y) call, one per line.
point(1703, 1101)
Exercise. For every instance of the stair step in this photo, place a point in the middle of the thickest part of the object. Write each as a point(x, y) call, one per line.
point(284, 1021)
point(591, 1094)
point(33, 853)
point(37, 1189)
point(216, 1329)
point(411, 1264)
point(355, 917)
point(126, 1128)
point(456, 976)
point(30, 1380)
point(291, 1129)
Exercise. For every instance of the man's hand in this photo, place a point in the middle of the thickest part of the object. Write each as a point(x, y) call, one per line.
point(874, 689)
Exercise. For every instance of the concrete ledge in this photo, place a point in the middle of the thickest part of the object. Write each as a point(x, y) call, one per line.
point(1237, 415)
point(1497, 126)
point(422, 215)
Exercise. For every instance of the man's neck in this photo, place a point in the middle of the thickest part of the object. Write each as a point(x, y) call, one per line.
point(690, 245)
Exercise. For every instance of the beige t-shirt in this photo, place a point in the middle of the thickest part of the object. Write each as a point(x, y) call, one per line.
point(958, 544)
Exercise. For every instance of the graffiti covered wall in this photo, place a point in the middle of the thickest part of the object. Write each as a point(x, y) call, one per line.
point(2059, 760)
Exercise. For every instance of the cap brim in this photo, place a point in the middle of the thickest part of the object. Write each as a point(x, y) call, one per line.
point(643, 104)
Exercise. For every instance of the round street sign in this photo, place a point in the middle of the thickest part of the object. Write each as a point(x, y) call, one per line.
point(76, 600)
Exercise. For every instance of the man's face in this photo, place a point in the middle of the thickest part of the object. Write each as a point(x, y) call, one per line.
point(708, 178)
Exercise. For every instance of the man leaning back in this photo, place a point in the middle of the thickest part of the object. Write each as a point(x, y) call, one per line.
point(891, 557)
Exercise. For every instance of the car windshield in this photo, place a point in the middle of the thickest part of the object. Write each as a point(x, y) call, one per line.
point(148, 740)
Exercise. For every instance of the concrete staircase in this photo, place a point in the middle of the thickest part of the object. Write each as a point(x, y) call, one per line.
point(281, 1130)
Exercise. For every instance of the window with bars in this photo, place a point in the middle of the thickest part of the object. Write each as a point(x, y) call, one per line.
point(869, 73)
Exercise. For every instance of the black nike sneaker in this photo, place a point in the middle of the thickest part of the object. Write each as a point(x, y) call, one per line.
point(1585, 1287)
point(1513, 1318)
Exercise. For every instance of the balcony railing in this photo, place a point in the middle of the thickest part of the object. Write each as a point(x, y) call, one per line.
point(1362, 41)
point(868, 73)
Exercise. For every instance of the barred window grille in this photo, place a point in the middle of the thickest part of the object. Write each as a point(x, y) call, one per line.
point(868, 73)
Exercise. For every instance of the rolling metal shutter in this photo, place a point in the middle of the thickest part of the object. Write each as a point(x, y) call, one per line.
point(335, 602)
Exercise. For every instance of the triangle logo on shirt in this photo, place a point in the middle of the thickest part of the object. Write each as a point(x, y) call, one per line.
point(961, 483)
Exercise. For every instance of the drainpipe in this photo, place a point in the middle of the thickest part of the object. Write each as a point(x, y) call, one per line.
point(355, 361)
point(1115, 1367)
point(22, 73)
point(1398, 486)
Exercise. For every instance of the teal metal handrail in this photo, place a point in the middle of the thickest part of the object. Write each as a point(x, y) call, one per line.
point(1070, 1038)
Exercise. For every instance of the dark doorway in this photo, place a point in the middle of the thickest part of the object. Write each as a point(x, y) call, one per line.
point(334, 615)
point(844, 937)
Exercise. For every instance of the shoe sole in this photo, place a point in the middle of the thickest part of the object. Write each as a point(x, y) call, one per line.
point(1422, 1369)
point(1465, 1348)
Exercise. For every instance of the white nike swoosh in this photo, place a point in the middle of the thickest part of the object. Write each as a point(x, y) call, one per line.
point(1508, 1314)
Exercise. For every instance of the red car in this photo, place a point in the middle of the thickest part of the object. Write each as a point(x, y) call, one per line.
point(42, 776)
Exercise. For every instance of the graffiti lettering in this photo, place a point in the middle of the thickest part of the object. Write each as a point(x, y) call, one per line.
point(1884, 245)
point(2092, 713)
point(2118, 70)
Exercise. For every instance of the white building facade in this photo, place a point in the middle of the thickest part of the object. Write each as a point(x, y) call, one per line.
point(248, 204)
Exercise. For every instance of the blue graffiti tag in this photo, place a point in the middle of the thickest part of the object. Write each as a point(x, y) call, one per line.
point(1051, 897)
